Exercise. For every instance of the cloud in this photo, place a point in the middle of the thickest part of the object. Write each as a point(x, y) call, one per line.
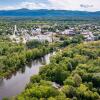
point(28, 5)
point(59, 4)
point(82, 5)
point(89, 5)
point(33, 5)
point(6, 7)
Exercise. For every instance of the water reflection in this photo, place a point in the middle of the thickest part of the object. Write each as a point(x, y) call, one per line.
point(15, 84)
point(1, 82)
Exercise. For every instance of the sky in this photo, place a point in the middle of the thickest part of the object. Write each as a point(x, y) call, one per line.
point(81, 5)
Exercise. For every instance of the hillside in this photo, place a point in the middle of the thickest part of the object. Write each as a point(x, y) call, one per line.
point(50, 13)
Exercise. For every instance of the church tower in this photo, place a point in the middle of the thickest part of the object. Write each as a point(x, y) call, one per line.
point(15, 30)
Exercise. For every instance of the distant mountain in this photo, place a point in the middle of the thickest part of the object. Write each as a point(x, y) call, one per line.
point(50, 13)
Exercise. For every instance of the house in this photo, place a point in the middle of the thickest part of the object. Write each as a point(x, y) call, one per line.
point(88, 35)
point(69, 32)
point(36, 31)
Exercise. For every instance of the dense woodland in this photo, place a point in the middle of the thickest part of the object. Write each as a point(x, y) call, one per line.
point(14, 56)
point(75, 68)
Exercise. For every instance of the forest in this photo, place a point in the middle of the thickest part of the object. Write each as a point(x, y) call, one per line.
point(76, 70)
point(14, 56)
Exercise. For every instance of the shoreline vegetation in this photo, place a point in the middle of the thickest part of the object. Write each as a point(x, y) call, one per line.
point(75, 69)
point(14, 56)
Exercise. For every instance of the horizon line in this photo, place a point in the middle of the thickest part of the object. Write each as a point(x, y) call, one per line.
point(48, 9)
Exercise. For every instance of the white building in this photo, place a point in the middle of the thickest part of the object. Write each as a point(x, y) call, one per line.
point(88, 35)
point(69, 32)
point(36, 31)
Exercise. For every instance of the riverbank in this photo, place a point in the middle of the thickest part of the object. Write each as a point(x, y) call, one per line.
point(23, 58)
point(14, 56)
point(75, 68)
point(18, 81)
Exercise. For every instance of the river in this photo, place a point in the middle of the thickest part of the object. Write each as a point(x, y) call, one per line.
point(15, 84)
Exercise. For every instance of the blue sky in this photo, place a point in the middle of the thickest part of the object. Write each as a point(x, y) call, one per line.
point(14, 2)
point(82, 5)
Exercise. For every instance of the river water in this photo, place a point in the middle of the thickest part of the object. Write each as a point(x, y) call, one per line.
point(15, 84)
